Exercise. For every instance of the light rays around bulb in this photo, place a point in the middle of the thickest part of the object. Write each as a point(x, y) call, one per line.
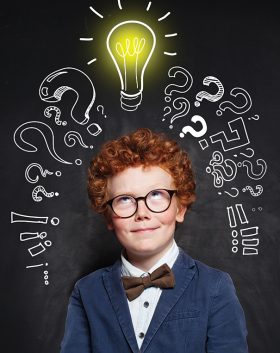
point(170, 35)
point(119, 4)
point(149, 5)
point(164, 16)
point(169, 53)
point(91, 61)
point(86, 39)
point(96, 12)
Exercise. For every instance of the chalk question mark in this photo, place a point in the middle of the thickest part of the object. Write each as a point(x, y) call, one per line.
point(40, 189)
point(43, 173)
point(44, 130)
point(181, 104)
point(171, 88)
point(72, 137)
point(100, 107)
point(192, 131)
point(70, 79)
point(237, 91)
point(48, 114)
point(210, 97)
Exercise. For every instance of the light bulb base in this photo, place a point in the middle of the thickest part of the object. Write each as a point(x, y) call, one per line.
point(130, 102)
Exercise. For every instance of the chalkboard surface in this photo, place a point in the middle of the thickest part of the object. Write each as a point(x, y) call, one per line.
point(211, 83)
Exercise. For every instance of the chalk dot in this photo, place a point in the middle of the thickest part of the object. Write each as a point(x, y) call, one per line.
point(46, 272)
point(219, 113)
point(208, 170)
point(64, 123)
point(182, 134)
point(234, 233)
point(197, 104)
point(234, 249)
point(91, 147)
point(56, 193)
point(48, 243)
point(219, 193)
point(167, 99)
point(46, 277)
point(162, 119)
point(55, 221)
point(239, 164)
point(170, 126)
point(78, 161)
point(58, 173)
point(46, 264)
point(260, 208)
point(253, 209)
point(47, 283)
point(234, 242)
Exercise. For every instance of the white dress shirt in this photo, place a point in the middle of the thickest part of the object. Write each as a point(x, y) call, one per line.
point(143, 307)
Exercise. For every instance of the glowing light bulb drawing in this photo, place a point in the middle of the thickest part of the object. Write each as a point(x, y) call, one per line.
point(131, 45)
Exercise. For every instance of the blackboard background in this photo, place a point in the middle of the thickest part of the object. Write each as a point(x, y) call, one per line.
point(239, 44)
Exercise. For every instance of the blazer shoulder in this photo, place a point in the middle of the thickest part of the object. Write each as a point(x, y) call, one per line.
point(216, 279)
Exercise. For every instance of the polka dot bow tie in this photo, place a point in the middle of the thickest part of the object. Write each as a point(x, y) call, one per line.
point(162, 277)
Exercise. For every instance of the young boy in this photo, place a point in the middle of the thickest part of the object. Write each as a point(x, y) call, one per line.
point(155, 298)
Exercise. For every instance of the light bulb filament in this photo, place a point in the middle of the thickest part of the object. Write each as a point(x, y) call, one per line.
point(133, 50)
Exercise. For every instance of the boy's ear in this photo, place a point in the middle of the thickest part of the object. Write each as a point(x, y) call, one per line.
point(109, 222)
point(110, 225)
point(181, 212)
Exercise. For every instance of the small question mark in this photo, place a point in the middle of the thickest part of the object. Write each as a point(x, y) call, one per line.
point(102, 110)
point(255, 117)
point(43, 173)
point(72, 137)
point(258, 192)
point(180, 103)
point(44, 130)
point(237, 91)
point(169, 111)
point(40, 189)
point(210, 97)
point(234, 194)
point(250, 172)
point(192, 131)
point(48, 114)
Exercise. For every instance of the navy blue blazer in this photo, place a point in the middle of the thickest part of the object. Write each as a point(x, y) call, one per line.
point(201, 314)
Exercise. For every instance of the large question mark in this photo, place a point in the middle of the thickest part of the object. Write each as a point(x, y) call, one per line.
point(210, 97)
point(192, 131)
point(44, 130)
point(180, 103)
point(237, 91)
point(58, 82)
point(174, 72)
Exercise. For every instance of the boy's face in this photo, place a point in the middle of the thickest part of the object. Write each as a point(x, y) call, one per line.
point(145, 234)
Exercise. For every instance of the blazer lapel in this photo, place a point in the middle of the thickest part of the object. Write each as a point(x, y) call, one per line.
point(184, 270)
point(115, 290)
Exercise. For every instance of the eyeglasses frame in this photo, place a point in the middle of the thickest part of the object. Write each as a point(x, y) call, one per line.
point(137, 199)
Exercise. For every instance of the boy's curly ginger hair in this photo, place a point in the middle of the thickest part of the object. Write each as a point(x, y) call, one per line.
point(140, 148)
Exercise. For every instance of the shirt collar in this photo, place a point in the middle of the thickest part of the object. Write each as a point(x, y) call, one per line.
point(169, 258)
